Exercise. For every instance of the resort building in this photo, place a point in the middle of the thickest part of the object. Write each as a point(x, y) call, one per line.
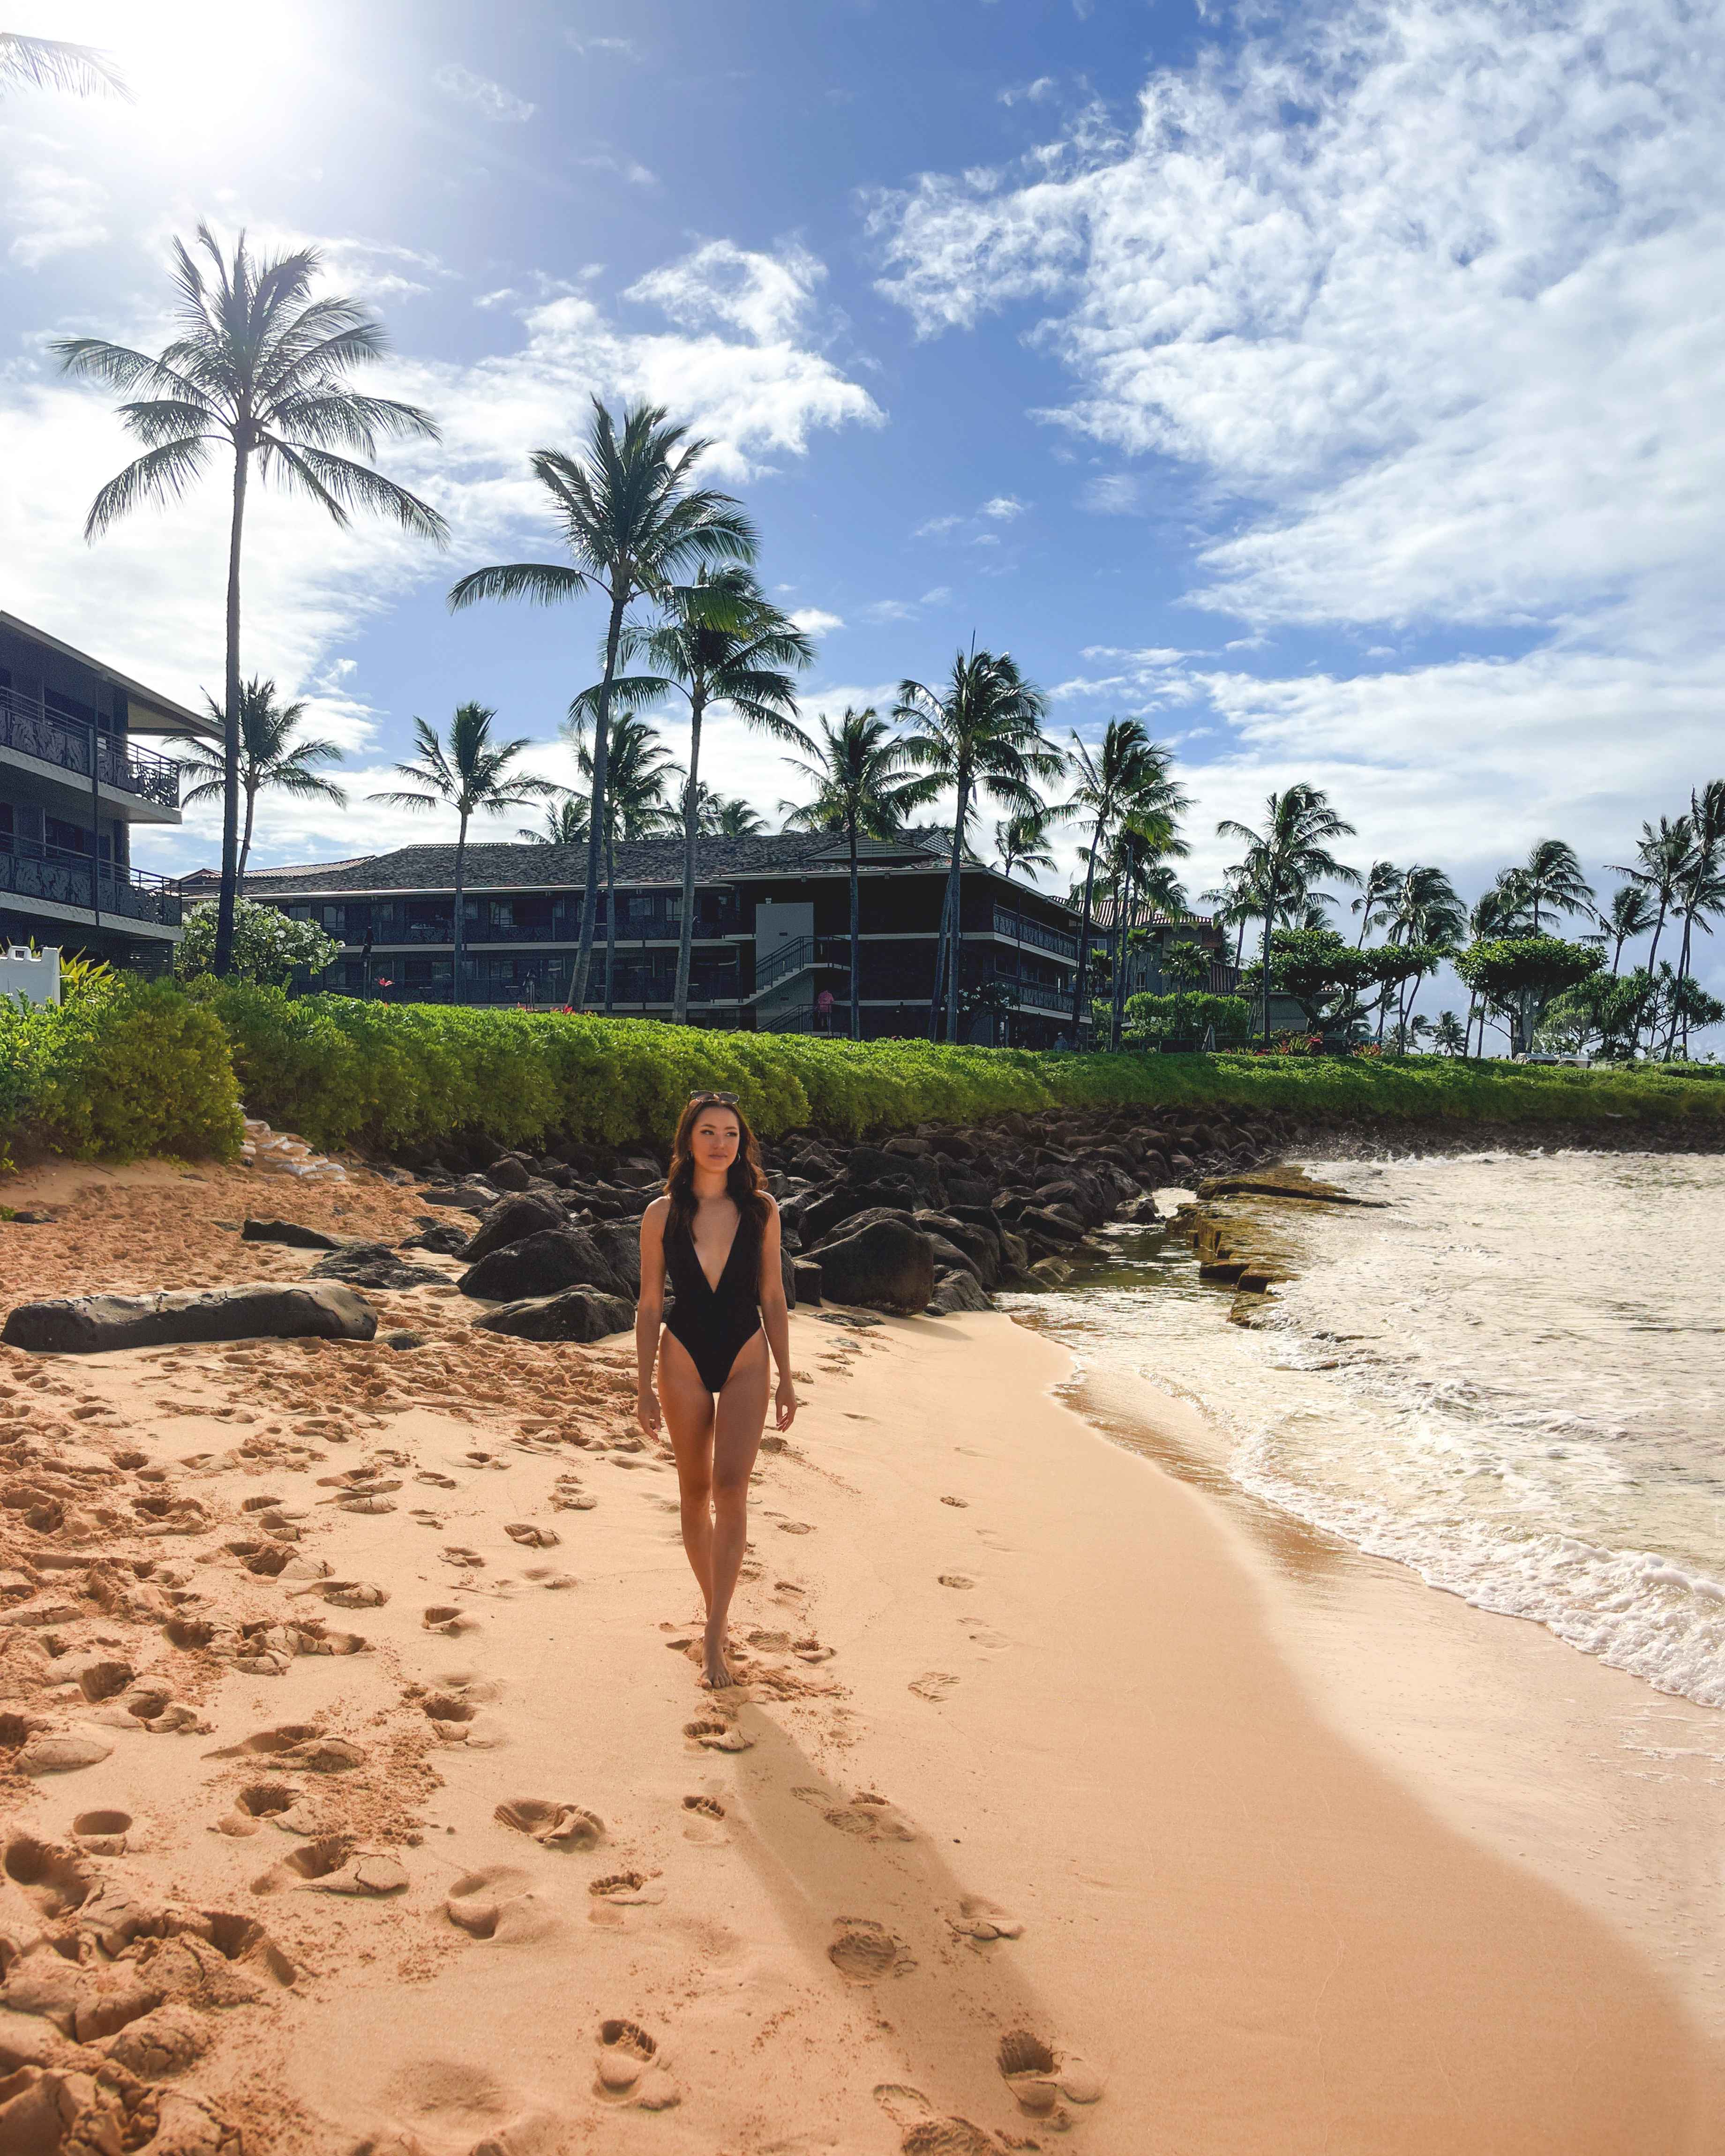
point(771, 945)
point(74, 780)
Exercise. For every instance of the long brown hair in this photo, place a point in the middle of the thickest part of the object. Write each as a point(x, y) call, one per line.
point(742, 1179)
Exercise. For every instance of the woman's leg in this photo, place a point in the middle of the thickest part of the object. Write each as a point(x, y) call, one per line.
point(737, 1424)
point(688, 1408)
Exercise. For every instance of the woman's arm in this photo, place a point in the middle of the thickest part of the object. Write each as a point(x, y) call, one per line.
point(650, 1312)
point(777, 1318)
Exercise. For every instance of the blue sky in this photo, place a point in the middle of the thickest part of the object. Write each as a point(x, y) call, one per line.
point(1337, 389)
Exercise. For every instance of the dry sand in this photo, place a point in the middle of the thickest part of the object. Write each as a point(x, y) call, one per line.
point(1002, 1677)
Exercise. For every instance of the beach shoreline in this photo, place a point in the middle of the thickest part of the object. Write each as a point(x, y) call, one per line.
point(1068, 1702)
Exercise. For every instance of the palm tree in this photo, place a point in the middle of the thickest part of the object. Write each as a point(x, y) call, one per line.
point(1552, 878)
point(260, 369)
point(1139, 874)
point(1232, 904)
point(861, 790)
point(633, 522)
point(639, 768)
point(1377, 886)
point(1283, 859)
point(1662, 860)
point(720, 640)
point(1496, 912)
point(1629, 916)
point(720, 819)
point(1127, 777)
point(49, 64)
point(1426, 910)
point(270, 760)
point(1022, 843)
point(472, 776)
point(565, 825)
point(981, 734)
point(1700, 891)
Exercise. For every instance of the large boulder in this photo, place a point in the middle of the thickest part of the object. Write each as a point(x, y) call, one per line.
point(93, 1324)
point(816, 1216)
point(855, 1223)
point(958, 1291)
point(885, 1266)
point(578, 1313)
point(289, 1232)
point(544, 1264)
point(980, 1246)
point(372, 1265)
point(510, 1221)
point(619, 1242)
point(807, 1277)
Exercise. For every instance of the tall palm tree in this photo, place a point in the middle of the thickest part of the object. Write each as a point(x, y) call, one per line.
point(981, 733)
point(565, 825)
point(859, 774)
point(1700, 891)
point(1022, 843)
point(1426, 911)
point(472, 775)
point(1283, 859)
point(720, 640)
point(1662, 860)
point(1376, 889)
point(639, 769)
point(49, 63)
point(1629, 916)
point(1552, 878)
point(1128, 776)
point(1499, 910)
point(270, 760)
point(633, 522)
point(722, 819)
point(260, 370)
point(1139, 874)
point(1233, 903)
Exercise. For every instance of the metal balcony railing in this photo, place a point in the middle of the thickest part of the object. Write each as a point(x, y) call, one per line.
point(1007, 923)
point(29, 871)
point(796, 958)
point(27, 726)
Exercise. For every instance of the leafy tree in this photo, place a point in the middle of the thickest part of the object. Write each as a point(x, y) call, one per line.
point(565, 825)
point(258, 371)
point(981, 733)
point(1629, 917)
point(50, 63)
point(862, 789)
point(1701, 888)
point(641, 771)
point(1424, 911)
point(1327, 976)
point(720, 819)
point(1377, 887)
point(1600, 1015)
point(719, 640)
point(1448, 1036)
point(1140, 877)
point(472, 775)
point(633, 522)
point(1284, 859)
point(1022, 842)
point(1524, 974)
point(1233, 903)
point(270, 760)
point(266, 946)
point(1127, 778)
point(1551, 878)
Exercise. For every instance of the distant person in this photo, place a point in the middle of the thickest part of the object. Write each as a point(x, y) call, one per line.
point(716, 1232)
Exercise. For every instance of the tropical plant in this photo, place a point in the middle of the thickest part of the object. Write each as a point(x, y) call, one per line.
point(981, 733)
point(270, 760)
point(640, 772)
point(1448, 1037)
point(1524, 974)
point(473, 775)
point(1140, 877)
point(1127, 777)
point(1233, 903)
point(862, 789)
point(1022, 842)
point(565, 823)
point(267, 946)
point(259, 369)
point(1424, 911)
point(1377, 887)
point(722, 819)
point(1701, 888)
point(1283, 860)
point(1629, 917)
point(718, 640)
point(50, 63)
point(633, 522)
point(1551, 878)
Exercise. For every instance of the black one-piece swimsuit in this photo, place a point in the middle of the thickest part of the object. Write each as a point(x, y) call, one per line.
point(714, 1323)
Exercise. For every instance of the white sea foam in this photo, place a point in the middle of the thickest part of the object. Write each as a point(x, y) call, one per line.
point(1511, 1378)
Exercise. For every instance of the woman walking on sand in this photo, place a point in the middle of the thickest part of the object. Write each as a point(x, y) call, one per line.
point(716, 1232)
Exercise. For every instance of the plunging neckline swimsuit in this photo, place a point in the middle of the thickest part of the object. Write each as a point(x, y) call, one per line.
point(713, 1324)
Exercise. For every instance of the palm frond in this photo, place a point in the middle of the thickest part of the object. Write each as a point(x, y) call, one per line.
point(337, 481)
point(541, 582)
point(161, 475)
point(51, 64)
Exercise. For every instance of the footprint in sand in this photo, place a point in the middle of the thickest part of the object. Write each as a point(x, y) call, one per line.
point(524, 1531)
point(55, 1879)
point(437, 1482)
point(445, 1617)
point(869, 1815)
point(963, 1503)
point(717, 1736)
point(982, 1923)
point(631, 2069)
point(454, 1553)
point(108, 1833)
point(933, 1684)
point(705, 1823)
point(556, 1826)
point(353, 1593)
point(955, 1579)
point(498, 1903)
point(627, 1889)
point(926, 2133)
point(867, 1953)
point(1038, 2074)
point(263, 1801)
point(795, 1528)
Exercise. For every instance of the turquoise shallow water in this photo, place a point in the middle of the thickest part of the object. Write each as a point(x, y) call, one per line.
point(1511, 1379)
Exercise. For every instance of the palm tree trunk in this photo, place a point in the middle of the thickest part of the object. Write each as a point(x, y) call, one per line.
point(224, 956)
point(1671, 1039)
point(940, 963)
point(610, 917)
point(856, 930)
point(1467, 1031)
point(1268, 931)
point(691, 839)
point(245, 843)
point(1080, 982)
point(954, 909)
point(596, 814)
point(460, 921)
point(1120, 984)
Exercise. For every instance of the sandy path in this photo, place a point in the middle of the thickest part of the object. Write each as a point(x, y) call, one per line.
point(1244, 1934)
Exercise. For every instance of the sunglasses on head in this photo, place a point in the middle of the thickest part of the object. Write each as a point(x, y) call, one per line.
point(712, 1099)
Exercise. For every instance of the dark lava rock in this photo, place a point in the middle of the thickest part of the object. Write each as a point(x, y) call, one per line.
point(510, 1221)
point(956, 1291)
point(886, 1265)
point(807, 1274)
point(509, 1173)
point(447, 1241)
point(372, 1265)
point(578, 1313)
point(92, 1324)
point(542, 1265)
point(289, 1232)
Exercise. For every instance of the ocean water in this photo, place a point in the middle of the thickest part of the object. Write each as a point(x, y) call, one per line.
point(1511, 1378)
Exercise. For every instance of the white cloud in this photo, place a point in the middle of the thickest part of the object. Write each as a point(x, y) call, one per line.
point(626, 168)
point(619, 47)
point(489, 98)
point(937, 528)
point(813, 622)
point(51, 209)
point(769, 297)
point(1004, 507)
point(939, 596)
point(1030, 93)
point(887, 610)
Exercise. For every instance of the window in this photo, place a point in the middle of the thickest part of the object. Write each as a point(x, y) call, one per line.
point(8, 830)
point(65, 837)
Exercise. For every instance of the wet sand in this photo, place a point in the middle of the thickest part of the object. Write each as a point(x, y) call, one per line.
point(1002, 1677)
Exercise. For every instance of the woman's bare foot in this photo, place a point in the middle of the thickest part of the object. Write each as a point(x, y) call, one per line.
point(717, 1674)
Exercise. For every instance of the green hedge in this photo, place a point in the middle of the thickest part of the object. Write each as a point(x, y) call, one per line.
point(128, 1070)
point(124, 1070)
